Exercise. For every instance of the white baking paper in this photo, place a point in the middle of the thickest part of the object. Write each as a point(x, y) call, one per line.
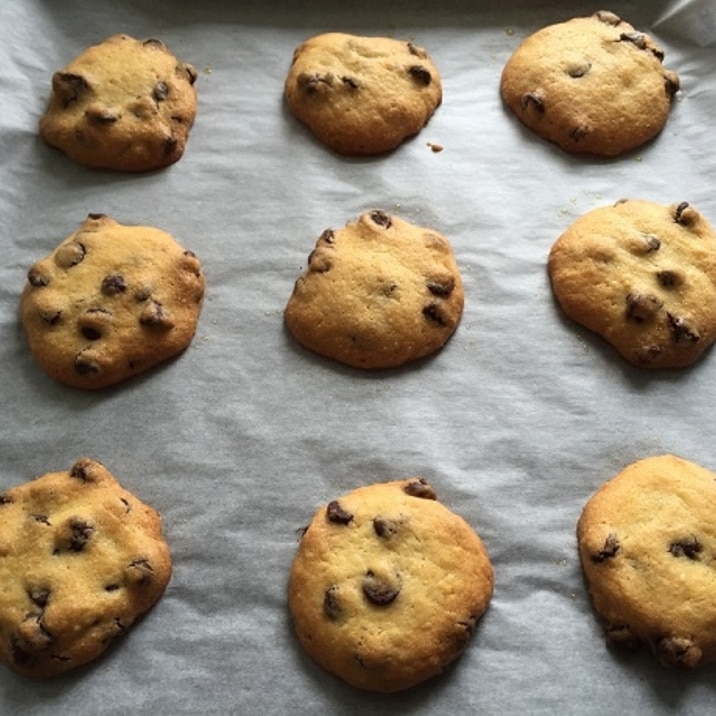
point(236, 442)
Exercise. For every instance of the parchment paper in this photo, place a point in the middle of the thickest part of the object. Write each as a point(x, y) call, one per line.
point(516, 422)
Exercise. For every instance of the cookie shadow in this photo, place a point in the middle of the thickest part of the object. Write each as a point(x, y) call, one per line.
point(597, 347)
point(304, 354)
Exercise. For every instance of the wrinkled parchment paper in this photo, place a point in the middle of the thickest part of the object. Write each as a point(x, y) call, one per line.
point(236, 442)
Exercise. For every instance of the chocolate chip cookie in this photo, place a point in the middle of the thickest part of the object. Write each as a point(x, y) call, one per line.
point(362, 95)
point(81, 559)
point(647, 544)
point(378, 293)
point(111, 301)
point(388, 585)
point(124, 104)
point(591, 85)
point(643, 276)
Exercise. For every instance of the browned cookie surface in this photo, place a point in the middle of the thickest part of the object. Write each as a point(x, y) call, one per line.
point(643, 276)
point(111, 301)
point(387, 585)
point(590, 85)
point(124, 104)
point(377, 293)
point(81, 559)
point(362, 95)
point(647, 542)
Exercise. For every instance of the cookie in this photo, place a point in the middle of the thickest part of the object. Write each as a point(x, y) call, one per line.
point(81, 559)
point(591, 85)
point(110, 302)
point(378, 293)
point(362, 95)
point(643, 276)
point(124, 104)
point(647, 543)
point(388, 585)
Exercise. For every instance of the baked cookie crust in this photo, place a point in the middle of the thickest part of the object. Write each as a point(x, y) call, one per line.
point(388, 585)
point(647, 542)
point(643, 276)
point(110, 302)
point(591, 85)
point(81, 558)
point(378, 293)
point(124, 105)
point(362, 95)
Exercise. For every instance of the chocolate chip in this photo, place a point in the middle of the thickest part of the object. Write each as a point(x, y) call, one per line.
point(83, 470)
point(420, 488)
point(621, 637)
point(350, 83)
point(642, 307)
point(73, 536)
point(190, 72)
point(140, 571)
point(413, 49)
point(441, 287)
point(688, 547)
point(685, 214)
point(311, 83)
point(607, 17)
point(379, 590)
point(532, 99)
point(337, 514)
point(672, 83)
point(51, 318)
point(153, 42)
point(610, 549)
point(328, 236)
point(170, 144)
point(70, 254)
point(319, 262)
point(385, 528)
point(37, 278)
point(113, 284)
point(670, 279)
point(19, 655)
point(5, 500)
point(381, 218)
point(160, 91)
point(91, 334)
point(636, 38)
point(42, 519)
point(579, 70)
point(651, 242)
point(111, 587)
point(331, 603)
point(432, 313)
point(101, 115)
point(32, 634)
point(420, 74)
point(68, 87)
point(39, 596)
point(143, 293)
point(156, 315)
point(680, 329)
point(648, 354)
point(579, 132)
point(85, 366)
point(677, 651)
